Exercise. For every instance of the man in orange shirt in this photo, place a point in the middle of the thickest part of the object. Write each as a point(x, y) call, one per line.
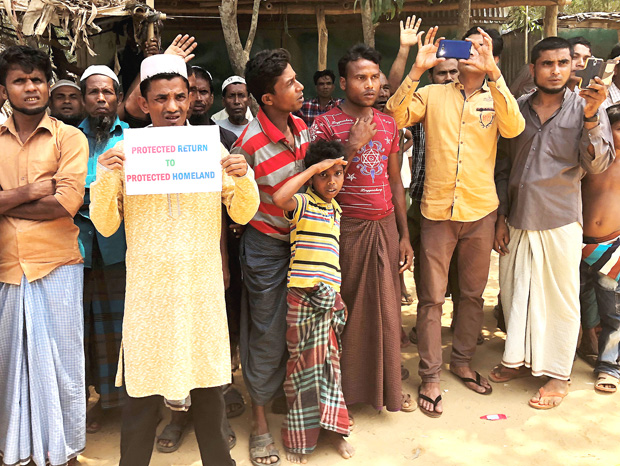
point(42, 174)
point(461, 121)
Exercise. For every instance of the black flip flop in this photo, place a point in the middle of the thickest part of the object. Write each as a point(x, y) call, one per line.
point(487, 391)
point(433, 414)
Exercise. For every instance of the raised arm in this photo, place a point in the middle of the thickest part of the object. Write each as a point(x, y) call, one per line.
point(283, 197)
point(182, 46)
point(596, 145)
point(408, 38)
point(406, 105)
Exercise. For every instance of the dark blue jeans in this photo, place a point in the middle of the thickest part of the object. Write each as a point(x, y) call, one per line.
point(608, 302)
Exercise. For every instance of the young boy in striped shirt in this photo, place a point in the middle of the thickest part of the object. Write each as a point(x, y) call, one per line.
point(316, 313)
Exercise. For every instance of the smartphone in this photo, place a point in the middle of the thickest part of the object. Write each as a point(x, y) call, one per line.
point(459, 49)
point(596, 67)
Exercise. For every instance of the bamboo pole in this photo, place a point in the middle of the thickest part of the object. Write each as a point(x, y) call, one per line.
point(551, 21)
point(323, 37)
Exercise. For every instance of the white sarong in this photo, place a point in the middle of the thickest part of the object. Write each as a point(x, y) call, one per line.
point(539, 285)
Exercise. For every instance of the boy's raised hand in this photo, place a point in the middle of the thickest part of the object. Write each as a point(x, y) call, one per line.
point(409, 31)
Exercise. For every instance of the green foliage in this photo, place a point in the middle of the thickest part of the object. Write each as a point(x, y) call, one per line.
point(587, 6)
point(519, 19)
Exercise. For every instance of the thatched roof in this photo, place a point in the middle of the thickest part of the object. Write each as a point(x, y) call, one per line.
point(76, 17)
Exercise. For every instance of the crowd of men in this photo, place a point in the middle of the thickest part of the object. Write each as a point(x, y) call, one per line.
point(157, 299)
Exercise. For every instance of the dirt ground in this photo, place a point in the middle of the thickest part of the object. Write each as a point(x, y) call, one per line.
point(584, 430)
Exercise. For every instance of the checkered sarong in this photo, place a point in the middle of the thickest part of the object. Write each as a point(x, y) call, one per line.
point(313, 381)
point(42, 391)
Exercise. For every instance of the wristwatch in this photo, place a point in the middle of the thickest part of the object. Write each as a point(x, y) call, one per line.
point(592, 119)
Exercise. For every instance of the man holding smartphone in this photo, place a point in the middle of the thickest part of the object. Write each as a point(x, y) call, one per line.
point(539, 228)
point(461, 121)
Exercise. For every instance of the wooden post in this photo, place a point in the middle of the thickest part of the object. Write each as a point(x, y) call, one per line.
point(323, 35)
point(464, 14)
point(551, 21)
point(368, 28)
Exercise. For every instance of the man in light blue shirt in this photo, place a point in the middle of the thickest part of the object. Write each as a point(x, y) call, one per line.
point(104, 258)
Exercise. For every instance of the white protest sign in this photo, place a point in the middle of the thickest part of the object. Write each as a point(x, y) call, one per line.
point(173, 159)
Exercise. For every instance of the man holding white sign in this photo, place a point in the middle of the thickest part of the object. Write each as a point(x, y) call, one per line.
point(175, 337)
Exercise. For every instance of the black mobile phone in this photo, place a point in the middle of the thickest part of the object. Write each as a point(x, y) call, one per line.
point(459, 49)
point(596, 67)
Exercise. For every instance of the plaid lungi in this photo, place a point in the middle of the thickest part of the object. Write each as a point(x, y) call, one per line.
point(313, 381)
point(104, 303)
point(42, 392)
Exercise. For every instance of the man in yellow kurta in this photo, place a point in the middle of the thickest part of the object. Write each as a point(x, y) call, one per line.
point(175, 335)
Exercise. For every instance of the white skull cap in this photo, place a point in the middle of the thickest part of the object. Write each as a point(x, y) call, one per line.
point(162, 63)
point(232, 80)
point(99, 69)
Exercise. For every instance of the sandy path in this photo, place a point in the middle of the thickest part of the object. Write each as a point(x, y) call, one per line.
point(585, 430)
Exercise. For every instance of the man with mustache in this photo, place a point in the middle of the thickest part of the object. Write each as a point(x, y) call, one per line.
point(462, 121)
point(104, 258)
point(374, 238)
point(66, 102)
point(175, 335)
point(539, 226)
point(42, 172)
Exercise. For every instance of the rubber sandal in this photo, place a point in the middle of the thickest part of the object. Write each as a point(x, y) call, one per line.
point(542, 393)
point(465, 380)
point(406, 398)
point(173, 433)
point(258, 449)
point(232, 397)
point(603, 379)
point(433, 414)
point(413, 336)
point(232, 437)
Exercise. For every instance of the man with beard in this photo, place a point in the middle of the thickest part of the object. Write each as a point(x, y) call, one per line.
point(66, 102)
point(175, 336)
point(374, 239)
point(539, 226)
point(42, 172)
point(462, 121)
point(104, 258)
point(236, 99)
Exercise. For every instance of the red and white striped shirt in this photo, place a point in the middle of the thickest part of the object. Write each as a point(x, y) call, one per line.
point(274, 162)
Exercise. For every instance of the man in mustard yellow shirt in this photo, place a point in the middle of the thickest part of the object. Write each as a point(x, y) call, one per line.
point(462, 121)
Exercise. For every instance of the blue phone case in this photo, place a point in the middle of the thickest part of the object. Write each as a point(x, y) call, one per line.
point(459, 49)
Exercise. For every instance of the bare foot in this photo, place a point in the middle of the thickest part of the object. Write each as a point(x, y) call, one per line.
point(466, 372)
point(550, 395)
point(94, 418)
point(344, 448)
point(296, 458)
point(432, 391)
point(351, 420)
point(501, 373)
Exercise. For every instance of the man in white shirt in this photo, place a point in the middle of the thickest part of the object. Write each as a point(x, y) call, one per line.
point(236, 100)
